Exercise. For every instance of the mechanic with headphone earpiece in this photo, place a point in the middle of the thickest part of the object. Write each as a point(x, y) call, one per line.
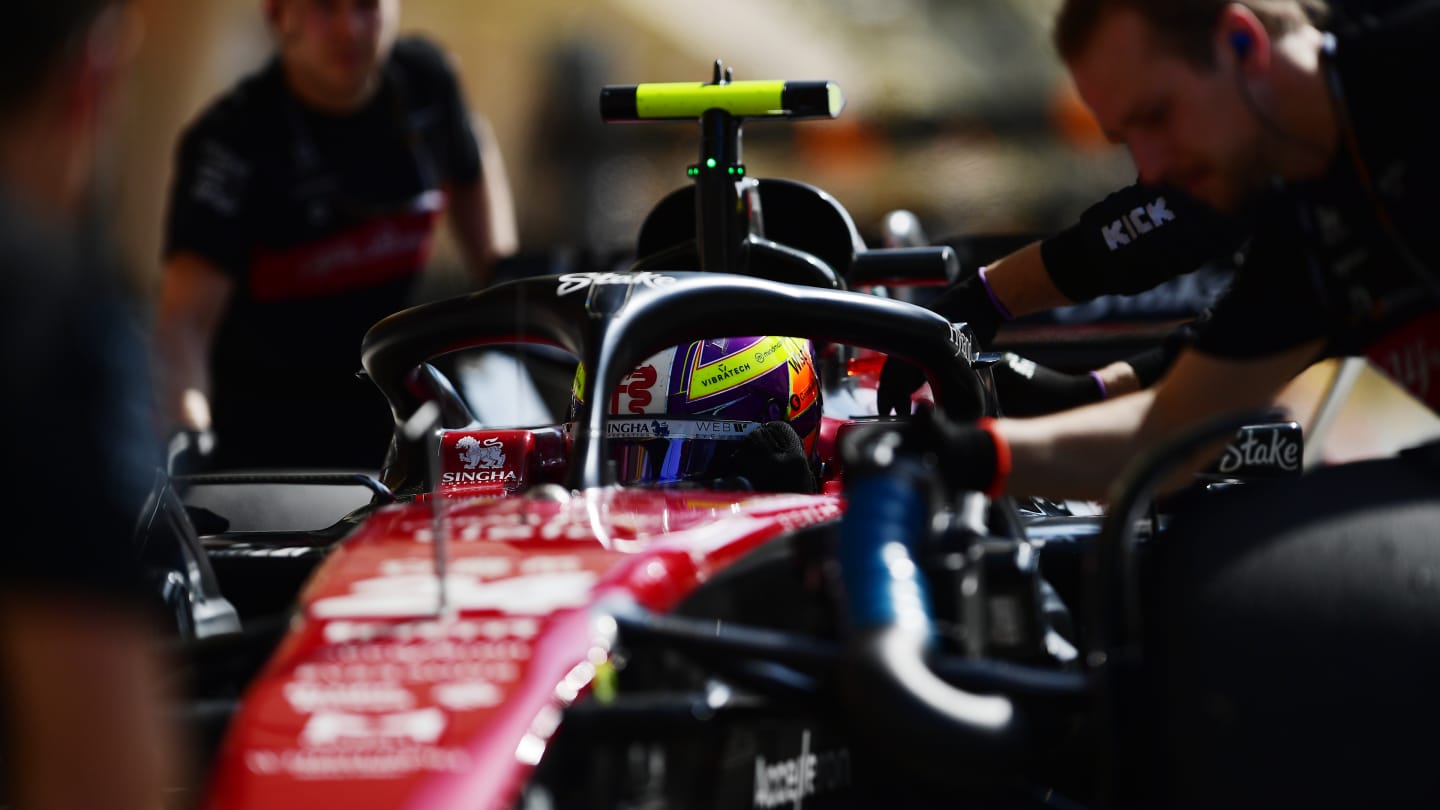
point(1275, 644)
point(303, 210)
point(1131, 241)
point(1285, 647)
point(1309, 138)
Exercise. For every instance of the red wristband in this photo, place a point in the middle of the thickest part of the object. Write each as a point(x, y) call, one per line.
point(1002, 456)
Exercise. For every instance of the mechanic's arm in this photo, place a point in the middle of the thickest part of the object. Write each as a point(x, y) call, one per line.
point(1021, 283)
point(1136, 238)
point(193, 296)
point(482, 212)
point(1078, 453)
point(84, 704)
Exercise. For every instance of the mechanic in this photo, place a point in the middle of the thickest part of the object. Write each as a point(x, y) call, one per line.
point(78, 686)
point(1251, 108)
point(1134, 239)
point(302, 212)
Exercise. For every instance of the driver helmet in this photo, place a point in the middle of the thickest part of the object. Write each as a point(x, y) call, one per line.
point(682, 413)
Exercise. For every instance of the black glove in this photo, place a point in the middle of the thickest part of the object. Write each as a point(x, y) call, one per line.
point(1150, 365)
point(966, 302)
point(1026, 388)
point(969, 302)
point(771, 459)
point(898, 380)
point(967, 456)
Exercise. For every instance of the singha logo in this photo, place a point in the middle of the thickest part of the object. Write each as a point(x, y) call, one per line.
point(661, 429)
point(487, 456)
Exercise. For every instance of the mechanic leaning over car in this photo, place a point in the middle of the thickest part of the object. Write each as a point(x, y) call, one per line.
point(1134, 239)
point(1251, 109)
point(79, 707)
point(303, 211)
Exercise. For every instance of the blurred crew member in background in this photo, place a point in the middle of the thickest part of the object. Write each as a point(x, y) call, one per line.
point(303, 210)
point(80, 710)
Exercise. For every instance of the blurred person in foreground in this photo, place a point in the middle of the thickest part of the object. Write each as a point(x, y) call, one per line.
point(78, 688)
point(303, 210)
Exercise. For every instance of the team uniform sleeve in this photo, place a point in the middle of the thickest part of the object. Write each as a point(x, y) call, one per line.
point(1135, 239)
point(207, 208)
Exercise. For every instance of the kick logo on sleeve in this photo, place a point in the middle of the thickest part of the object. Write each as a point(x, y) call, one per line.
point(1141, 219)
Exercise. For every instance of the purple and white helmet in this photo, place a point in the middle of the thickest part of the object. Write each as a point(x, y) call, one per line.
point(679, 413)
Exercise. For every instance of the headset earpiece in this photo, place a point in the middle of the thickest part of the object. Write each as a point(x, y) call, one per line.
point(1240, 43)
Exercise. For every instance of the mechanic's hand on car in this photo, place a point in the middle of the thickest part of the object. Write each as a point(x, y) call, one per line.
point(898, 381)
point(1026, 388)
point(968, 456)
point(967, 302)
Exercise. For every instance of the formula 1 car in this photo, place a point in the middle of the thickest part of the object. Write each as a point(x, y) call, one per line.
point(645, 606)
point(513, 595)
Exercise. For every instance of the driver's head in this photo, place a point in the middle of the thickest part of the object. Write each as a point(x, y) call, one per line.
point(744, 407)
point(332, 50)
point(1188, 86)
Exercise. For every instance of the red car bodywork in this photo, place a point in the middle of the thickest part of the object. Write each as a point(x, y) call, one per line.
point(378, 700)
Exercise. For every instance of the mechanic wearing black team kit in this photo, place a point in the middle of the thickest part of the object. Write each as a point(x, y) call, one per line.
point(79, 692)
point(303, 211)
point(1281, 639)
point(1133, 240)
point(1295, 623)
point(1256, 111)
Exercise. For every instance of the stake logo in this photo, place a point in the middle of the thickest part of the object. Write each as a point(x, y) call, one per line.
point(575, 282)
point(1251, 450)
